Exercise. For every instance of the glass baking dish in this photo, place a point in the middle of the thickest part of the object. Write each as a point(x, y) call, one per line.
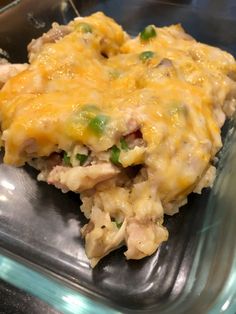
point(41, 250)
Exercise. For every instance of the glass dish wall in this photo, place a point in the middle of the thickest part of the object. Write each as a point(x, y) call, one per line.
point(40, 245)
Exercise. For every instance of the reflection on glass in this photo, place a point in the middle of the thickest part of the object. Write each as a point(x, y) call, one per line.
point(3, 198)
point(6, 184)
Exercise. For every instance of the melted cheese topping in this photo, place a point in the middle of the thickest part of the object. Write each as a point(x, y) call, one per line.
point(43, 102)
point(175, 98)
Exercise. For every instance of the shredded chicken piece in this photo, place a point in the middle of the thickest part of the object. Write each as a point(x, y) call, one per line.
point(172, 208)
point(230, 101)
point(165, 63)
point(166, 67)
point(57, 32)
point(46, 164)
point(78, 179)
point(219, 116)
point(207, 180)
point(104, 237)
point(143, 238)
point(229, 107)
point(141, 212)
point(29, 146)
point(132, 126)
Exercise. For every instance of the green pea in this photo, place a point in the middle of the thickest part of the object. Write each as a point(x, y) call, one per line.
point(84, 28)
point(179, 109)
point(66, 159)
point(146, 55)
point(85, 114)
point(98, 124)
point(123, 144)
point(118, 224)
point(114, 74)
point(81, 158)
point(115, 155)
point(148, 32)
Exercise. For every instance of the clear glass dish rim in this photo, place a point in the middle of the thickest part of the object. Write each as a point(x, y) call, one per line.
point(68, 300)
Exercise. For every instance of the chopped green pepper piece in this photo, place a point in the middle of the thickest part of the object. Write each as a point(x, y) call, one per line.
point(115, 155)
point(66, 159)
point(145, 55)
point(97, 124)
point(114, 74)
point(124, 144)
point(82, 158)
point(148, 32)
point(84, 28)
point(179, 109)
point(118, 224)
point(85, 114)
